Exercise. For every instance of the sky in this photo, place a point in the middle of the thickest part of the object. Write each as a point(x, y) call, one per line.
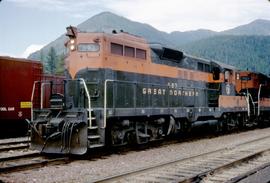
point(28, 25)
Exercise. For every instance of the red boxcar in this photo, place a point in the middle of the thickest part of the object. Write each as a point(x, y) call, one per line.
point(17, 77)
point(16, 81)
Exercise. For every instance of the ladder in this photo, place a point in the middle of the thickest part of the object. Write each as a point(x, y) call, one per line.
point(94, 133)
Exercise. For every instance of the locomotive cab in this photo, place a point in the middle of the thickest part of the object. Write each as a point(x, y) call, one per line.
point(83, 50)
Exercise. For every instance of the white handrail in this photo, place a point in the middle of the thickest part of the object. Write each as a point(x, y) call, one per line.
point(89, 101)
point(248, 105)
point(259, 98)
point(105, 103)
point(41, 94)
point(32, 98)
point(253, 103)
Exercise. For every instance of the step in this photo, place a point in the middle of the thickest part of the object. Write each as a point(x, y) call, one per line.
point(96, 145)
point(56, 100)
point(93, 136)
point(93, 118)
point(71, 115)
point(93, 127)
point(44, 114)
point(55, 107)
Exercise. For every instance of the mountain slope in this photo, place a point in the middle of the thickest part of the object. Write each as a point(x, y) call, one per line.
point(257, 27)
point(244, 52)
point(180, 38)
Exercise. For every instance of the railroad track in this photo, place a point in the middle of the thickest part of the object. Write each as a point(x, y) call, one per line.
point(14, 144)
point(21, 157)
point(28, 160)
point(240, 170)
point(223, 165)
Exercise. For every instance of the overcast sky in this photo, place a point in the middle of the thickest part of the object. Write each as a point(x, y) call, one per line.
point(27, 25)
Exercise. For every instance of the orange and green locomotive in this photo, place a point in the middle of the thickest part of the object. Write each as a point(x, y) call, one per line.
point(122, 90)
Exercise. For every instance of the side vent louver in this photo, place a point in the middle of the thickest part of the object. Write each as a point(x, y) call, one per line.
point(171, 54)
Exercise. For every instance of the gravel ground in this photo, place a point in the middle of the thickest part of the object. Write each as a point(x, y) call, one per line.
point(90, 170)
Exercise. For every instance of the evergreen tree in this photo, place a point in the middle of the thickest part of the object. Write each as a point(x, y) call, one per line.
point(43, 60)
point(51, 61)
point(243, 52)
point(60, 67)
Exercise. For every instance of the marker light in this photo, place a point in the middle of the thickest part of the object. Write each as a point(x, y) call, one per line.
point(72, 41)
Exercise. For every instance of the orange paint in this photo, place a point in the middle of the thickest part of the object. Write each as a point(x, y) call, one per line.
point(265, 102)
point(253, 81)
point(105, 59)
point(232, 101)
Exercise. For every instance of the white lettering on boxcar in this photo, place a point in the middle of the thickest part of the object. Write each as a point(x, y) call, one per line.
point(11, 108)
point(3, 109)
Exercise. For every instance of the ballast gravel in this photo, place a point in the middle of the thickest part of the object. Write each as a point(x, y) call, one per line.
point(94, 169)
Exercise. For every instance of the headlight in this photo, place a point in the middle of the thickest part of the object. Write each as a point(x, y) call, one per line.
point(72, 47)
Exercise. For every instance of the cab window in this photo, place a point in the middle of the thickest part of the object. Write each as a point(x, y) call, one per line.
point(88, 47)
point(117, 49)
point(129, 51)
point(141, 54)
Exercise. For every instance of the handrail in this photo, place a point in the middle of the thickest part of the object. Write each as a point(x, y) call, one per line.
point(105, 102)
point(42, 93)
point(89, 101)
point(259, 98)
point(32, 98)
point(248, 105)
point(248, 95)
point(253, 103)
point(43, 82)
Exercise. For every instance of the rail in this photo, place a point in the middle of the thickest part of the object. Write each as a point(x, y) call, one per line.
point(249, 96)
point(32, 98)
point(42, 93)
point(248, 105)
point(259, 99)
point(28, 161)
point(105, 102)
point(89, 101)
point(253, 103)
point(43, 83)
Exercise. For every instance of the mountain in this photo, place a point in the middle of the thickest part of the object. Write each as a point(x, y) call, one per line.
point(239, 46)
point(257, 27)
point(106, 22)
point(245, 52)
point(180, 38)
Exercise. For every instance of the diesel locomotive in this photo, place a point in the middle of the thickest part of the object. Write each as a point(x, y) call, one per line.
point(122, 90)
